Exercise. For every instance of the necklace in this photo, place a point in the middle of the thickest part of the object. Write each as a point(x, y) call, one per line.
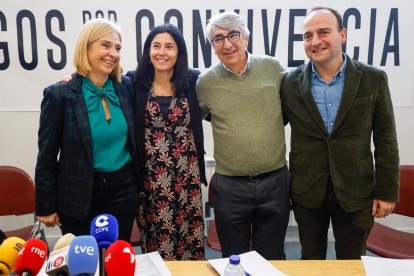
point(162, 90)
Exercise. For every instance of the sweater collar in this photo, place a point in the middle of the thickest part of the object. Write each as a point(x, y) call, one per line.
point(246, 66)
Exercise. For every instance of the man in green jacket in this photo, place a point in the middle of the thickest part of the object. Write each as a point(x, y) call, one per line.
point(334, 106)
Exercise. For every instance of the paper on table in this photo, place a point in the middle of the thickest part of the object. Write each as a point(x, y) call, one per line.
point(252, 262)
point(151, 264)
point(387, 267)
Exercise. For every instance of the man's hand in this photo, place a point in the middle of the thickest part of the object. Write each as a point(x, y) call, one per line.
point(65, 78)
point(381, 209)
point(51, 220)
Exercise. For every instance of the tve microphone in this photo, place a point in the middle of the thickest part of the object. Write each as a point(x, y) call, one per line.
point(105, 230)
point(9, 250)
point(31, 258)
point(83, 256)
point(120, 259)
point(57, 263)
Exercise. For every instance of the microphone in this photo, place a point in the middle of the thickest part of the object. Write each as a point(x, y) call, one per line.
point(104, 228)
point(2, 237)
point(65, 240)
point(83, 256)
point(9, 250)
point(57, 263)
point(30, 259)
point(38, 232)
point(120, 259)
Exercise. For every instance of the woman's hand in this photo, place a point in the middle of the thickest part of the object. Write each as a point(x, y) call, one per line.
point(51, 220)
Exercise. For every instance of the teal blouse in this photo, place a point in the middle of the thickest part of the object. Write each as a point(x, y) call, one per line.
point(109, 139)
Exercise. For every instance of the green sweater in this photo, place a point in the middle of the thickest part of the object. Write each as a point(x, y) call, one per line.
point(246, 116)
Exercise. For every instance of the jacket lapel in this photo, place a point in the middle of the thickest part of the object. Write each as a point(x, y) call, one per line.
point(306, 93)
point(81, 115)
point(353, 77)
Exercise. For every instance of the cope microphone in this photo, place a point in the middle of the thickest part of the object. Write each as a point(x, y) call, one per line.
point(30, 259)
point(57, 263)
point(120, 259)
point(105, 230)
point(83, 256)
point(9, 250)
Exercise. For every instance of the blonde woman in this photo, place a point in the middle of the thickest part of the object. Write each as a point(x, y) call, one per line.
point(86, 162)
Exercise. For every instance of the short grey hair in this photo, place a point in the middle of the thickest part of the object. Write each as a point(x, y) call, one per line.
point(226, 20)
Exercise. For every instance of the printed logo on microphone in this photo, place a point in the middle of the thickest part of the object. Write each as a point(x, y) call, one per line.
point(101, 222)
point(59, 261)
point(18, 246)
point(38, 251)
point(35, 250)
point(108, 258)
point(128, 251)
point(79, 249)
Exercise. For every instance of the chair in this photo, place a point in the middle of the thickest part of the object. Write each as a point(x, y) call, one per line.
point(17, 197)
point(212, 237)
point(391, 243)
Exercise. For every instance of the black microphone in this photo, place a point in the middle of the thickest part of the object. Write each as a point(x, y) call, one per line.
point(2, 236)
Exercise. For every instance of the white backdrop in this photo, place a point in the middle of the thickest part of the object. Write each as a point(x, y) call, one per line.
point(37, 37)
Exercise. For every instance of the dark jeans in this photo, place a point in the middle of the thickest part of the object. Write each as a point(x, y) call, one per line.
point(252, 214)
point(115, 193)
point(350, 230)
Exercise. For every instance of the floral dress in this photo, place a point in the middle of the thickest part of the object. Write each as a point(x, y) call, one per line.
point(170, 217)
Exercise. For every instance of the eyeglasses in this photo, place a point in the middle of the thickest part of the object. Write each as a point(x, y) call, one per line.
point(232, 36)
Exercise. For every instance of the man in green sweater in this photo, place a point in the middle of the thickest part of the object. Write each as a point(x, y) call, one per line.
point(251, 181)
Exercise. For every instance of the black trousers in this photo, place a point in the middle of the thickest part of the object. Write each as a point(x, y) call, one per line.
point(115, 193)
point(350, 230)
point(252, 214)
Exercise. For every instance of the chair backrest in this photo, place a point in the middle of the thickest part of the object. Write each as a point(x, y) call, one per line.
point(17, 193)
point(405, 206)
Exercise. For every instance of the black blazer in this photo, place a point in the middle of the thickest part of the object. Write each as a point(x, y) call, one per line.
point(140, 100)
point(64, 171)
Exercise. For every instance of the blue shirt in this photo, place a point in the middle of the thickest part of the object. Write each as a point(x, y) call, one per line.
point(328, 96)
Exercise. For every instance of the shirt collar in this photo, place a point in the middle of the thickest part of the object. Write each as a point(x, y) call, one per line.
point(340, 73)
point(244, 69)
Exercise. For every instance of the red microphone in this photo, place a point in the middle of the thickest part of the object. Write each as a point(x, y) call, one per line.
point(31, 258)
point(120, 259)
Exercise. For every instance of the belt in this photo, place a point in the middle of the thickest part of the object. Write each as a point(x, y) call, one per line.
point(261, 175)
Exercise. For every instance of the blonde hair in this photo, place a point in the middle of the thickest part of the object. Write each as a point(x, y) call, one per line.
point(91, 32)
